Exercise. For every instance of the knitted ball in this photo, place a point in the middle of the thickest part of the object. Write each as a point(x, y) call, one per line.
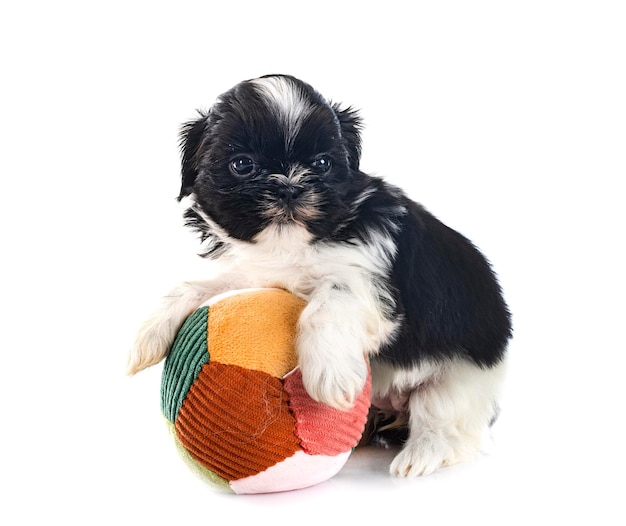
point(233, 397)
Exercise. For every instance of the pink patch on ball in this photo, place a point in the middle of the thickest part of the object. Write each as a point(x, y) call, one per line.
point(324, 430)
point(296, 472)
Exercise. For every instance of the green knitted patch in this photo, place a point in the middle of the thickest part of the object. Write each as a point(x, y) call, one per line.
point(184, 363)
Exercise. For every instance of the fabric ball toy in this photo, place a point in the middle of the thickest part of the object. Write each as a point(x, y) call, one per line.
point(234, 400)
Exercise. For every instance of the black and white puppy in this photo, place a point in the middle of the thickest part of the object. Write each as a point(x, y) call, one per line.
point(272, 181)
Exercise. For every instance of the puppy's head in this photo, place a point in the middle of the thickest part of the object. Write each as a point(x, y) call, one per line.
point(271, 151)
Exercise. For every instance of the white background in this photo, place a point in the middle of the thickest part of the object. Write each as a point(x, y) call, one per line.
point(506, 119)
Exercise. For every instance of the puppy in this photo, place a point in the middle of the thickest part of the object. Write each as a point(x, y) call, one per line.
point(271, 182)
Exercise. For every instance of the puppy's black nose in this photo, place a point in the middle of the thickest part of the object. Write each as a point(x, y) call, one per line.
point(289, 193)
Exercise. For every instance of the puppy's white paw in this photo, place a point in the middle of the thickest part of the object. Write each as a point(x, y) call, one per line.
point(335, 382)
point(423, 455)
point(334, 336)
point(152, 344)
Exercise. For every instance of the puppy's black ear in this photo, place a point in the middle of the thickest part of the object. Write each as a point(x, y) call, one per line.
point(191, 135)
point(351, 124)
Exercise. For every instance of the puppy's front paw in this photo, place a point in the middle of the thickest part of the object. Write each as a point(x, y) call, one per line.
point(152, 344)
point(423, 455)
point(335, 381)
point(333, 340)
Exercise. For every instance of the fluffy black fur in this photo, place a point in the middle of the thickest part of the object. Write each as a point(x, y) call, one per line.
point(448, 294)
point(442, 285)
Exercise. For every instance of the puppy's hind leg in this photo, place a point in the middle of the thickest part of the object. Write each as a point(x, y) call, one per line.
point(448, 417)
point(156, 335)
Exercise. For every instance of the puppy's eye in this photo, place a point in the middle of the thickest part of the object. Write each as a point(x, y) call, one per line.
point(322, 164)
point(242, 166)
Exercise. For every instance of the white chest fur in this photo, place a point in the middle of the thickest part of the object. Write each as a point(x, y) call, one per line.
point(286, 257)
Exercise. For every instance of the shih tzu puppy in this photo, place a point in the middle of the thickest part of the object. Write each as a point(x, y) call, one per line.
point(271, 180)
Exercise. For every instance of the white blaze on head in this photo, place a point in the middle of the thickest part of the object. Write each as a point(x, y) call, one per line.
point(287, 101)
